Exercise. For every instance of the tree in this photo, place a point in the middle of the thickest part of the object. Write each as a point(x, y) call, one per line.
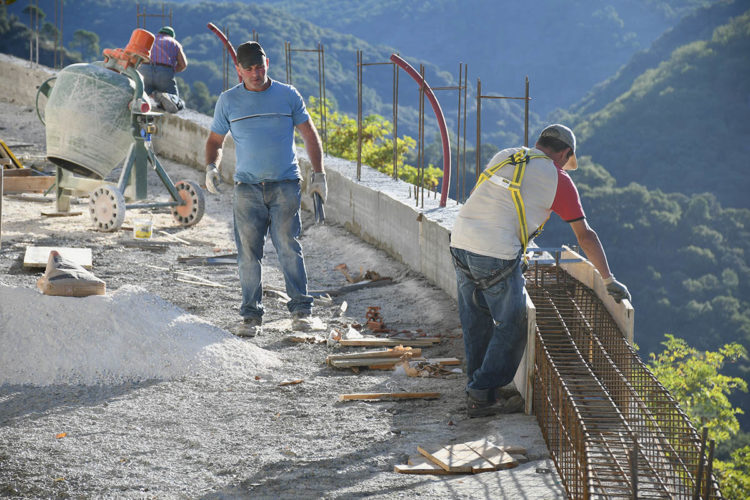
point(87, 43)
point(694, 380)
point(377, 146)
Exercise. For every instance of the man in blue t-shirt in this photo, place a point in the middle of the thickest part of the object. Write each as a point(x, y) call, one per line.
point(261, 114)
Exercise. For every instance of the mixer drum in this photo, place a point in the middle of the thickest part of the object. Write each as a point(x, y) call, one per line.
point(88, 122)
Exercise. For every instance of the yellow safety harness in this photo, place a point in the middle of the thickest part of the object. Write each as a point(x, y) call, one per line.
point(520, 160)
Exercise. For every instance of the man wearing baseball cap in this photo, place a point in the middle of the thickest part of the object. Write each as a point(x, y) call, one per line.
point(512, 199)
point(262, 114)
point(167, 58)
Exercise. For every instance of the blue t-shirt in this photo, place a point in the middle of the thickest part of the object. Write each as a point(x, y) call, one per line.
point(262, 126)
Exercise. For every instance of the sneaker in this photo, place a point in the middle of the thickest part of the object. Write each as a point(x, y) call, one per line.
point(165, 102)
point(250, 327)
point(302, 321)
point(478, 408)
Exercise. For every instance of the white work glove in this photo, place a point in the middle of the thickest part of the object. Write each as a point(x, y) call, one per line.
point(213, 178)
point(318, 185)
point(617, 290)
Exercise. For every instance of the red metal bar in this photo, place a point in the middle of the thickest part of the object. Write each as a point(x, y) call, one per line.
point(227, 44)
point(441, 123)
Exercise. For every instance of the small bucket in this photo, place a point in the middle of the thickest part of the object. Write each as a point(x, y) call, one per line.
point(142, 229)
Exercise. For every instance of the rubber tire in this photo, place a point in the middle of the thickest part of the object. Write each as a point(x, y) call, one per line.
point(192, 212)
point(107, 208)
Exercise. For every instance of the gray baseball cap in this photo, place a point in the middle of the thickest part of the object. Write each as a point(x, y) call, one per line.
point(564, 134)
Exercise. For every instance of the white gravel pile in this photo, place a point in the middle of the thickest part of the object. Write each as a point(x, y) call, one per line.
point(125, 336)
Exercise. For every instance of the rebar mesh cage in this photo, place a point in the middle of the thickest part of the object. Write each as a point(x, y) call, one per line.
point(613, 430)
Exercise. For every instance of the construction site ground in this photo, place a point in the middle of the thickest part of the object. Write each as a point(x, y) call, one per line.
point(226, 428)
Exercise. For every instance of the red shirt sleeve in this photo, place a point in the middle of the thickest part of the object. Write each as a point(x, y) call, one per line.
point(567, 202)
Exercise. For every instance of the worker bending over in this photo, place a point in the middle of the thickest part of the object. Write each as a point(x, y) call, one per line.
point(512, 199)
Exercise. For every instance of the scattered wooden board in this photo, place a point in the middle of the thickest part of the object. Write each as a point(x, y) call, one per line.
point(386, 363)
point(420, 465)
point(379, 353)
point(369, 396)
point(21, 181)
point(38, 256)
point(507, 448)
point(457, 458)
point(499, 458)
point(383, 342)
point(444, 361)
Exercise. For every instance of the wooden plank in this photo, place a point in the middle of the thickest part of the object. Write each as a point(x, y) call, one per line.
point(457, 458)
point(498, 457)
point(444, 361)
point(420, 465)
point(38, 256)
point(379, 353)
point(366, 396)
point(27, 184)
point(382, 342)
point(368, 362)
point(507, 448)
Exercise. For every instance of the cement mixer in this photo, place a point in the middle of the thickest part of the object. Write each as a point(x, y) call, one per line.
point(98, 117)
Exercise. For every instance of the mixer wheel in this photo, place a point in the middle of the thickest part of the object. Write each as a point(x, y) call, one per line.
point(191, 212)
point(107, 208)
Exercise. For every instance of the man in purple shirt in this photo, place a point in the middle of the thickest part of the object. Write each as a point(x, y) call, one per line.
point(167, 58)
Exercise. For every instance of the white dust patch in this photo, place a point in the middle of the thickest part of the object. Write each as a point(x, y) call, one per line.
point(127, 335)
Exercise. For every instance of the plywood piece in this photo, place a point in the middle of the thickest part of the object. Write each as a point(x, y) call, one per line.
point(420, 465)
point(388, 395)
point(37, 257)
point(498, 457)
point(457, 458)
point(480, 444)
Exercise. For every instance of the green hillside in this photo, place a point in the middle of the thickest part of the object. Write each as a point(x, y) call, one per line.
point(681, 124)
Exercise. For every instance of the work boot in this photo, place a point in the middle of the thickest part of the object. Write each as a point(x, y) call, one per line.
point(250, 327)
point(514, 404)
point(166, 103)
point(302, 321)
point(507, 391)
point(478, 408)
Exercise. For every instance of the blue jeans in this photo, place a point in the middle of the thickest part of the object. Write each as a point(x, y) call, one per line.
point(493, 322)
point(160, 79)
point(258, 208)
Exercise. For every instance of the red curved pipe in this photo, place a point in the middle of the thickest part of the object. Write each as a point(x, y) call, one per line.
point(441, 124)
point(226, 43)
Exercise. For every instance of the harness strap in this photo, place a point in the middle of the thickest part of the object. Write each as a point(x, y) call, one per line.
point(520, 160)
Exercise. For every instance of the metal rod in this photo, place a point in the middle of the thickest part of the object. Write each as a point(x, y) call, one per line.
point(466, 105)
point(359, 115)
point(699, 473)
point(395, 120)
point(526, 116)
point(479, 130)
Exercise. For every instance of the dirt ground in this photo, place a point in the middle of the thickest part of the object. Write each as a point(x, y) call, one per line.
point(233, 431)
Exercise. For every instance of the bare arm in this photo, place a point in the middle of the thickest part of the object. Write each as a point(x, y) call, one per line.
point(214, 146)
point(181, 61)
point(591, 246)
point(313, 145)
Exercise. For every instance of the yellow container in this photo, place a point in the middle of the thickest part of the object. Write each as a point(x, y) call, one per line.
point(142, 229)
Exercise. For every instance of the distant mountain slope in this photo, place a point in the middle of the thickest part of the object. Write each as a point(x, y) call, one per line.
point(564, 47)
point(682, 125)
point(697, 25)
point(114, 22)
